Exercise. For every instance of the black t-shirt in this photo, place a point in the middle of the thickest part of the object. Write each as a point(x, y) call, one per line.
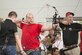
point(70, 33)
point(8, 28)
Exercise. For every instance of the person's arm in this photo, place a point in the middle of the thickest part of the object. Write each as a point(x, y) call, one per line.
point(64, 22)
point(18, 22)
point(18, 41)
point(45, 28)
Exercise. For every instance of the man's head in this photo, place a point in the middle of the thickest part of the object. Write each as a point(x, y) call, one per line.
point(29, 18)
point(55, 51)
point(69, 17)
point(12, 15)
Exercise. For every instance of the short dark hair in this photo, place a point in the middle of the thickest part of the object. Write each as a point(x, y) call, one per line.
point(54, 49)
point(12, 13)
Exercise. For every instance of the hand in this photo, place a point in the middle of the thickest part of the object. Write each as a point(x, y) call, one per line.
point(17, 21)
point(65, 22)
point(23, 53)
point(55, 25)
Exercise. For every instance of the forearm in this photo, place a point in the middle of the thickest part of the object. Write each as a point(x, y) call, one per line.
point(18, 41)
point(64, 22)
point(18, 22)
point(50, 27)
point(19, 44)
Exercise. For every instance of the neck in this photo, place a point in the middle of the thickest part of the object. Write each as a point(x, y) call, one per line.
point(11, 19)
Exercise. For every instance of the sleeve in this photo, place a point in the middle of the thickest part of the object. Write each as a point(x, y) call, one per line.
point(21, 25)
point(15, 28)
point(39, 27)
point(81, 34)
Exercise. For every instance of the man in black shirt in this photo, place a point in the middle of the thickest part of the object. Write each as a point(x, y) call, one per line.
point(70, 34)
point(9, 36)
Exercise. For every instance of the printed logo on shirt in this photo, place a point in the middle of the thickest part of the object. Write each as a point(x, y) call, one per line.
point(70, 29)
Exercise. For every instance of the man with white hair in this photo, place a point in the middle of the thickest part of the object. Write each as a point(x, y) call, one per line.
point(30, 34)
